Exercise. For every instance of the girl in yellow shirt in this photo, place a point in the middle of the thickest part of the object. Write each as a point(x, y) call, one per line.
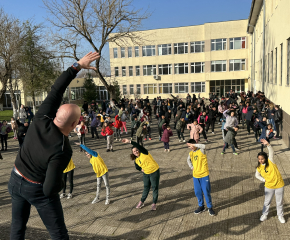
point(144, 162)
point(68, 173)
point(267, 171)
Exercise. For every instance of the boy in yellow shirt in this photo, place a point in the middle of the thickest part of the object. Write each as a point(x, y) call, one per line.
point(197, 161)
point(101, 171)
point(68, 172)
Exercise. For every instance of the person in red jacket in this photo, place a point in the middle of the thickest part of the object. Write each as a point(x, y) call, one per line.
point(118, 124)
point(108, 132)
point(165, 136)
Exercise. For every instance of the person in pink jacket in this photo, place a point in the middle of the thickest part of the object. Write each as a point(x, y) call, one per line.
point(195, 130)
point(81, 130)
point(167, 133)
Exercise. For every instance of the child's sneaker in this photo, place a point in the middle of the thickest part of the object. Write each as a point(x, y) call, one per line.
point(112, 150)
point(131, 139)
point(212, 132)
point(263, 218)
point(179, 140)
point(69, 196)
point(107, 201)
point(145, 139)
point(150, 139)
point(199, 210)
point(108, 150)
point(235, 153)
point(165, 150)
point(62, 195)
point(153, 207)
point(168, 150)
point(183, 140)
point(140, 205)
point(211, 212)
point(222, 153)
point(281, 219)
point(206, 141)
point(95, 200)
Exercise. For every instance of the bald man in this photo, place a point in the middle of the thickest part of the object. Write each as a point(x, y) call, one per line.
point(36, 178)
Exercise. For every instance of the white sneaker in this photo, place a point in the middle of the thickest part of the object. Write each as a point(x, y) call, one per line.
point(212, 132)
point(179, 140)
point(168, 150)
point(281, 219)
point(126, 132)
point(116, 139)
point(263, 218)
point(95, 200)
point(183, 140)
point(119, 139)
point(62, 195)
point(165, 150)
point(107, 202)
point(69, 196)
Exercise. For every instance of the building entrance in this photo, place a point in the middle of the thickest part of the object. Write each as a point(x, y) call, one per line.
point(222, 87)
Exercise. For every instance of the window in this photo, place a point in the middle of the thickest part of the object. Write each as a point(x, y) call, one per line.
point(131, 89)
point(115, 50)
point(219, 44)
point(165, 88)
point(122, 52)
point(77, 93)
point(149, 70)
point(138, 87)
point(197, 67)
point(219, 66)
point(181, 87)
point(137, 70)
point(150, 88)
point(196, 47)
point(164, 69)
point(237, 43)
point(148, 51)
point(137, 51)
point(116, 72)
point(130, 71)
point(124, 89)
point(197, 87)
point(281, 77)
point(276, 69)
point(181, 68)
point(288, 62)
point(237, 65)
point(129, 52)
point(180, 48)
point(123, 71)
point(164, 49)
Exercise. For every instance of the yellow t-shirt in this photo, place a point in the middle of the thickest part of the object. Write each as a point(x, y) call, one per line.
point(147, 163)
point(101, 116)
point(272, 176)
point(70, 166)
point(99, 166)
point(199, 162)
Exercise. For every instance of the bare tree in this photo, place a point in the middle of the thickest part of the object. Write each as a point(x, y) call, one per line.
point(95, 22)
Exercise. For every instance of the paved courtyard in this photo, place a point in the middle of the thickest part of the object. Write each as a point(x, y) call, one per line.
point(237, 195)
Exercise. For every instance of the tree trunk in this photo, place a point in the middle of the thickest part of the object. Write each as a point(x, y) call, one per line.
point(13, 99)
point(33, 102)
point(112, 92)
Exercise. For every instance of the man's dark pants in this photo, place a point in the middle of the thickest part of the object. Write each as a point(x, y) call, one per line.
point(24, 194)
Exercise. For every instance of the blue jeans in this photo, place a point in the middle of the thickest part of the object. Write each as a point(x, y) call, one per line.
point(271, 121)
point(202, 187)
point(226, 145)
point(24, 194)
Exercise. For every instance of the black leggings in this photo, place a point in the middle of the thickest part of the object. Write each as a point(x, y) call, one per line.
point(250, 124)
point(4, 141)
point(70, 175)
point(203, 131)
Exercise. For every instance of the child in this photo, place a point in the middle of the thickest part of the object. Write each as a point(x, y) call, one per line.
point(69, 171)
point(117, 124)
point(95, 123)
point(101, 171)
point(195, 130)
point(134, 125)
point(202, 121)
point(108, 132)
point(180, 125)
point(223, 120)
point(230, 139)
point(141, 131)
point(165, 136)
point(197, 161)
point(81, 130)
point(14, 127)
point(87, 121)
point(146, 118)
point(124, 118)
point(4, 130)
point(267, 132)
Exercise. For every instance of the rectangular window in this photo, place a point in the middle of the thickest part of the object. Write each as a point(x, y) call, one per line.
point(123, 71)
point(131, 89)
point(122, 52)
point(219, 66)
point(130, 71)
point(149, 70)
point(197, 67)
point(77, 92)
point(237, 43)
point(129, 52)
point(164, 69)
point(137, 51)
point(165, 88)
point(115, 52)
point(181, 68)
point(197, 87)
point(288, 62)
point(181, 87)
point(180, 48)
point(148, 51)
point(150, 88)
point(281, 74)
point(116, 72)
point(164, 49)
point(219, 44)
point(138, 88)
point(238, 65)
point(124, 89)
point(196, 47)
point(137, 70)
point(276, 69)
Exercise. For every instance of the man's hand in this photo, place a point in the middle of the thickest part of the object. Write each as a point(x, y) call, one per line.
point(86, 61)
point(264, 142)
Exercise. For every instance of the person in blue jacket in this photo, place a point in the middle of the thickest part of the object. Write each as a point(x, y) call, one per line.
point(267, 132)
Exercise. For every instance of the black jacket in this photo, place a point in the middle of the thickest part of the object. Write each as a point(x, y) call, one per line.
point(46, 152)
point(22, 130)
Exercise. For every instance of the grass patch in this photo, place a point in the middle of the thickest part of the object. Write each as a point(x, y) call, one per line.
point(6, 115)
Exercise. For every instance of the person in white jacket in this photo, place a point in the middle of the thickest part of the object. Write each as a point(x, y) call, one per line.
point(81, 130)
point(22, 114)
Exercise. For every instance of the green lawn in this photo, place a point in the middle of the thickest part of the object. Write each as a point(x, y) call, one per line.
point(6, 115)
